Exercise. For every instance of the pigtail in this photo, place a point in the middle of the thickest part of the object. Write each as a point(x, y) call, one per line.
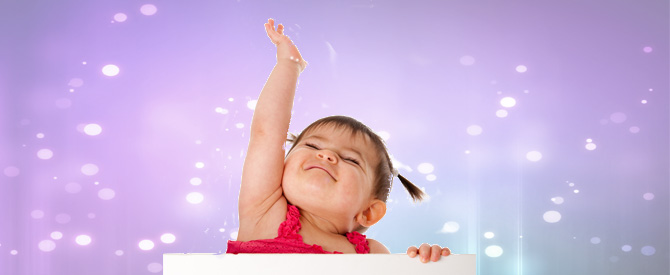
point(414, 191)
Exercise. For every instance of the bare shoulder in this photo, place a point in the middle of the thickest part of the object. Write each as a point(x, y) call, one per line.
point(377, 247)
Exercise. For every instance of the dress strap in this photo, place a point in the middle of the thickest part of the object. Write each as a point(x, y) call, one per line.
point(359, 241)
point(290, 227)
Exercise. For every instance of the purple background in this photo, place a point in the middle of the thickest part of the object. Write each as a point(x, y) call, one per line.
point(422, 72)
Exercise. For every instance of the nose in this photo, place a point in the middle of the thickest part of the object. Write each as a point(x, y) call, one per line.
point(327, 156)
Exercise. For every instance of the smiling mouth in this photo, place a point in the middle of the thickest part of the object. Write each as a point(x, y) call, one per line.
point(323, 169)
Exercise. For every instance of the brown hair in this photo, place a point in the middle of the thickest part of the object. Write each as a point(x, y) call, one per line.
point(383, 171)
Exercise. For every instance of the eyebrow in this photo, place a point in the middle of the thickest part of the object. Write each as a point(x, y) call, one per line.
point(346, 148)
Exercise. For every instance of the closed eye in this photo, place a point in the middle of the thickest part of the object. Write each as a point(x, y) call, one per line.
point(354, 161)
point(311, 146)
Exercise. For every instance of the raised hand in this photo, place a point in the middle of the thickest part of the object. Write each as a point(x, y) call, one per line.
point(427, 252)
point(286, 50)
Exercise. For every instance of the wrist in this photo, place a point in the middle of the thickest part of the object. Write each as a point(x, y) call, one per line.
point(292, 63)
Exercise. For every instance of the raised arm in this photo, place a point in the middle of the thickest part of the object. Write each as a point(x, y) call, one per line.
point(264, 163)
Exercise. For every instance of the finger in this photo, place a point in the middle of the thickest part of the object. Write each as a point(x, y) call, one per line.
point(280, 29)
point(412, 251)
point(271, 22)
point(435, 253)
point(424, 252)
point(446, 251)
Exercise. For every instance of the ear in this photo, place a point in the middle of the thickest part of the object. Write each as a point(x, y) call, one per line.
point(371, 215)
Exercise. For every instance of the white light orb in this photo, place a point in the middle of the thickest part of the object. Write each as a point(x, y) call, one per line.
point(425, 168)
point(534, 156)
point(450, 227)
point(110, 70)
point(431, 177)
point(474, 130)
point(56, 235)
point(595, 240)
point(92, 129)
point(106, 194)
point(493, 251)
point(195, 197)
point(489, 235)
point(168, 238)
point(590, 146)
point(251, 104)
point(501, 113)
point(521, 69)
point(195, 181)
point(233, 235)
point(551, 216)
point(146, 244)
point(508, 102)
point(647, 49)
point(40, 135)
point(199, 165)
point(120, 17)
point(148, 9)
point(89, 169)
point(83, 240)
point(618, 117)
point(626, 248)
point(648, 250)
point(221, 110)
point(63, 218)
point(47, 245)
point(557, 200)
point(118, 252)
point(45, 154)
point(648, 196)
point(239, 125)
point(634, 129)
point(72, 187)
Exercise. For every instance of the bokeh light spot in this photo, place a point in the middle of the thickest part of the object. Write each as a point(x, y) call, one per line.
point(425, 168)
point(233, 235)
point(92, 129)
point(634, 129)
point(648, 196)
point(221, 110)
point(168, 238)
point(431, 177)
point(11, 171)
point(47, 245)
point(590, 146)
point(557, 200)
point(467, 60)
point(474, 130)
point(239, 125)
point(251, 104)
point(91, 215)
point(146, 244)
point(106, 194)
point(75, 82)
point(195, 197)
point(508, 102)
point(501, 113)
point(148, 9)
point(384, 135)
point(521, 69)
point(195, 181)
point(45, 154)
point(89, 169)
point(120, 17)
point(83, 240)
point(56, 235)
point(644, 101)
point(63, 218)
point(110, 70)
point(72, 187)
point(118, 252)
point(154, 267)
point(576, 191)
point(595, 240)
point(618, 117)
point(626, 248)
point(37, 214)
point(648, 250)
point(647, 49)
point(534, 156)
point(489, 235)
point(450, 227)
point(14, 252)
point(551, 216)
point(199, 165)
point(493, 251)
point(40, 135)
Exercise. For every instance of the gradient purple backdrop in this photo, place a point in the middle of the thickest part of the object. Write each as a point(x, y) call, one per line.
point(429, 75)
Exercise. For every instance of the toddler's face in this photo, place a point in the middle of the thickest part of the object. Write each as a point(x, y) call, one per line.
point(330, 172)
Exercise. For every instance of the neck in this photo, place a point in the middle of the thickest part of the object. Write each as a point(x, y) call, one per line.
point(316, 224)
